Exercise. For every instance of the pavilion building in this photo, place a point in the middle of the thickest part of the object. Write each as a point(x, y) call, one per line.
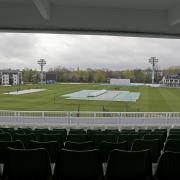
point(172, 80)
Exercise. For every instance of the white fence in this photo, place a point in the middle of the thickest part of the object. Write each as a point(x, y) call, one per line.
point(78, 119)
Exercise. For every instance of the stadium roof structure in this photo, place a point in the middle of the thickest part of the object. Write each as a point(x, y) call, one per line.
point(154, 18)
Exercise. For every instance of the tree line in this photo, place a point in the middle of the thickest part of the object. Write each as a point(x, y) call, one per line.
point(88, 75)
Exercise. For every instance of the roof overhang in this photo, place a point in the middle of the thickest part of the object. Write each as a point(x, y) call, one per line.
point(153, 18)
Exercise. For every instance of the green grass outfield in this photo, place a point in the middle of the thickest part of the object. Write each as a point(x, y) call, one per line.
point(151, 99)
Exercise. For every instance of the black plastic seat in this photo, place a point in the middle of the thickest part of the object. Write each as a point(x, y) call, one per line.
point(174, 136)
point(4, 146)
point(27, 164)
point(77, 131)
point(98, 138)
point(39, 132)
point(174, 129)
point(51, 146)
point(146, 131)
point(78, 165)
point(129, 138)
point(53, 137)
point(111, 131)
point(25, 138)
point(107, 147)
point(19, 131)
point(174, 132)
point(5, 136)
point(161, 130)
point(156, 136)
point(79, 146)
point(129, 165)
point(59, 131)
point(161, 133)
point(152, 144)
point(172, 145)
point(127, 131)
point(27, 130)
point(169, 166)
point(43, 131)
point(77, 137)
point(92, 132)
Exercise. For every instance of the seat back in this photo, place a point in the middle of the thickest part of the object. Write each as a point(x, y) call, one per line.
point(4, 146)
point(129, 138)
point(27, 164)
point(92, 132)
point(127, 131)
point(25, 138)
point(174, 130)
point(59, 131)
point(77, 137)
point(53, 137)
point(107, 147)
point(161, 133)
point(129, 165)
point(50, 146)
point(152, 144)
point(77, 131)
point(160, 130)
point(81, 165)
point(174, 136)
point(172, 145)
point(169, 166)
point(79, 146)
point(146, 131)
point(156, 136)
point(5, 136)
point(19, 131)
point(98, 138)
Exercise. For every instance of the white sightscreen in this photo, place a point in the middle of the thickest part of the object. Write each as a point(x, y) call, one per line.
point(120, 81)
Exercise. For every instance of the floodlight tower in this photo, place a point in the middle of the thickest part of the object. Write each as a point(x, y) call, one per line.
point(153, 61)
point(42, 63)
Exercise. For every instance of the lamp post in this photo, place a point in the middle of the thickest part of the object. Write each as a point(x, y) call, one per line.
point(42, 63)
point(153, 61)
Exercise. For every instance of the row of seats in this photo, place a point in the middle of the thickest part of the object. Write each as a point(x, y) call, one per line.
point(86, 165)
point(80, 135)
point(105, 147)
point(96, 138)
point(55, 154)
point(81, 131)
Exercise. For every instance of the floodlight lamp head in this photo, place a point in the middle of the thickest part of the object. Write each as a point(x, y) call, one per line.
point(150, 60)
point(153, 60)
point(41, 61)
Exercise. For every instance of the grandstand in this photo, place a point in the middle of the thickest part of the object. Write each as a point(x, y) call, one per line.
point(30, 145)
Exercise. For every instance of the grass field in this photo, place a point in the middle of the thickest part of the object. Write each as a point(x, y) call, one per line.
point(151, 99)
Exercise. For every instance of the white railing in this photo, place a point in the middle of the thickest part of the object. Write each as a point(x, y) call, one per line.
point(72, 118)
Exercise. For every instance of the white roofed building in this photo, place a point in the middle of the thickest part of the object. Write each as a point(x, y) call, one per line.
point(10, 77)
point(171, 80)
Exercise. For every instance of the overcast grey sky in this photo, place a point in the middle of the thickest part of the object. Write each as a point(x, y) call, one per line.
point(86, 51)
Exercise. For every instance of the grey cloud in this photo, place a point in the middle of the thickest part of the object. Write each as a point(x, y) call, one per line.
point(113, 52)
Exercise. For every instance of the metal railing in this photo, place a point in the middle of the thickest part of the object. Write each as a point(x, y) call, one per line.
point(68, 118)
